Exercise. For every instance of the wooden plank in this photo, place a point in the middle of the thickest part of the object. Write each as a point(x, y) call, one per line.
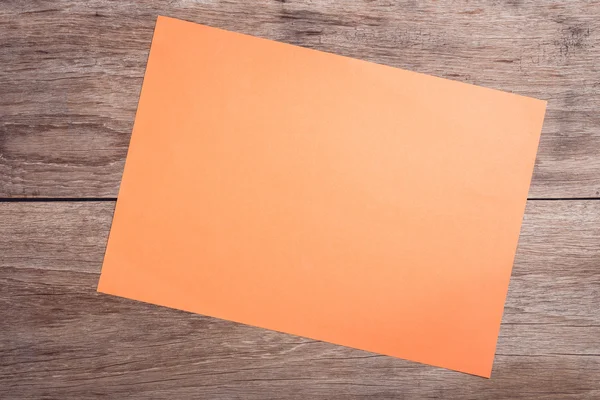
point(61, 339)
point(71, 73)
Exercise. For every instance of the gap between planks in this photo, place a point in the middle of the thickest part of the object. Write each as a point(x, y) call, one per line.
point(108, 199)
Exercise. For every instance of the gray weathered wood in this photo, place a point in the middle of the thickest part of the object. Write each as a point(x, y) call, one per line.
point(71, 73)
point(61, 339)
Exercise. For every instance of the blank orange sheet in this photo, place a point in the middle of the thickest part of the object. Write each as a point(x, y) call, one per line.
point(322, 196)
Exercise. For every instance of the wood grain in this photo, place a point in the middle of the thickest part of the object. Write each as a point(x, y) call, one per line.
point(61, 339)
point(72, 71)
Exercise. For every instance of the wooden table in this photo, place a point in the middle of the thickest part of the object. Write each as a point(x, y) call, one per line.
point(70, 76)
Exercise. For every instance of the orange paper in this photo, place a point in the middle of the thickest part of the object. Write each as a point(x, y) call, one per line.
point(322, 196)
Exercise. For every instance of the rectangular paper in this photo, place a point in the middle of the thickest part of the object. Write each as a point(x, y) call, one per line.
point(322, 196)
